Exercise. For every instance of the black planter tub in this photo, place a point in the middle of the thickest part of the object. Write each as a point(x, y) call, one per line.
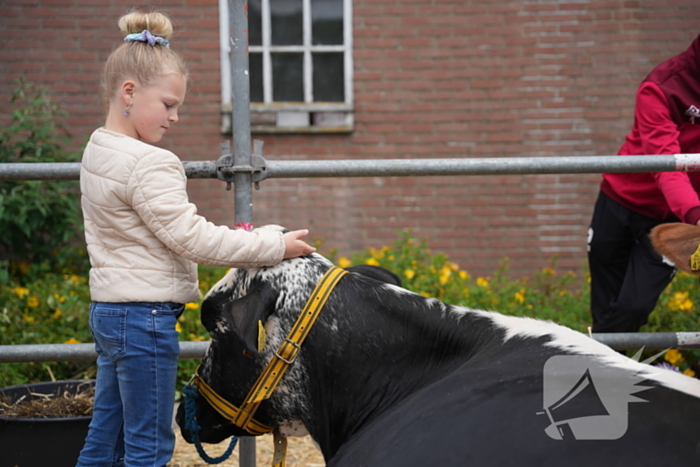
point(34, 442)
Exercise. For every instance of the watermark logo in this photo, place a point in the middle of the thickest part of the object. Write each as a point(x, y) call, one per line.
point(692, 112)
point(586, 399)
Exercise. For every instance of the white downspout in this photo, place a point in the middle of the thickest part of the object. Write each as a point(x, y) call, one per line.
point(225, 59)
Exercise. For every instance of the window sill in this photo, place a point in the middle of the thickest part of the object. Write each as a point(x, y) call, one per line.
point(295, 118)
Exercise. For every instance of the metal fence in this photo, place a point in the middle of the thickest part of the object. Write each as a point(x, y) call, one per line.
point(244, 168)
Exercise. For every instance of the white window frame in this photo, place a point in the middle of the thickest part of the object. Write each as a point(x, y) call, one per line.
point(286, 117)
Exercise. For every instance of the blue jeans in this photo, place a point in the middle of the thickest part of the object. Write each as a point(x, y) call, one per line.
point(137, 347)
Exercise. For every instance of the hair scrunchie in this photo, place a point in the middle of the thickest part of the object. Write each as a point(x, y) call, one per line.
point(146, 36)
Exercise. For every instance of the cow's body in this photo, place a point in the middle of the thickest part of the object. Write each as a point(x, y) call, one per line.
point(388, 377)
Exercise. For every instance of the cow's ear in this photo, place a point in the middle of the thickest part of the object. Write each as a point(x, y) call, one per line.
point(247, 312)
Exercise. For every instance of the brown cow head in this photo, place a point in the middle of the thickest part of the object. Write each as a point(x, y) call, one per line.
point(680, 243)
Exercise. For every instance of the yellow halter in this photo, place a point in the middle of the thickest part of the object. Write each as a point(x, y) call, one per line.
point(268, 380)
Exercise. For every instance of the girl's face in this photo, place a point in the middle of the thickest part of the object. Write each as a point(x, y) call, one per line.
point(154, 108)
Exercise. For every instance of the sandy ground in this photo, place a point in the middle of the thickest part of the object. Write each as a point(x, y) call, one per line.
point(301, 452)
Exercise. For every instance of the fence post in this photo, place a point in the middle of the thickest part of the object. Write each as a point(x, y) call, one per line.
point(240, 87)
point(240, 126)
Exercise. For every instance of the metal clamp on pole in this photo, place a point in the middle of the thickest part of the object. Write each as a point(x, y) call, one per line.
point(225, 168)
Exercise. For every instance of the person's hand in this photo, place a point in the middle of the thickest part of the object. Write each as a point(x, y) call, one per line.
point(294, 247)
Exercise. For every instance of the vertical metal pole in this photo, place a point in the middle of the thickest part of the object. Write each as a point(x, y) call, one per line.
point(240, 125)
point(240, 96)
point(246, 452)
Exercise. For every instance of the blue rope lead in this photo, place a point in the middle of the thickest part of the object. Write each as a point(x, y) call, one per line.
point(191, 425)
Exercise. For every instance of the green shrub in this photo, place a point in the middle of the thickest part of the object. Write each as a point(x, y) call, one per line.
point(561, 298)
point(40, 222)
point(50, 310)
point(54, 309)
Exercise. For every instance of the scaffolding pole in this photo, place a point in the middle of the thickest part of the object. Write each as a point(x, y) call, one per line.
point(386, 167)
point(240, 118)
point(86, 352)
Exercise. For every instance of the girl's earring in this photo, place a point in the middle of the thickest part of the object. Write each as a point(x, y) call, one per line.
point(126, 111)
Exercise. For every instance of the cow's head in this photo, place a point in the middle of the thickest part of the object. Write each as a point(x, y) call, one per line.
point(247, 315)
point(235, 311)
point(679, 243)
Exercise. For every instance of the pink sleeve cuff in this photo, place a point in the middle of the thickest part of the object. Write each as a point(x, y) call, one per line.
point(693, 215)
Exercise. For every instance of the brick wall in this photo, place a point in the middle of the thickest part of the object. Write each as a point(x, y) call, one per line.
point(491, 78)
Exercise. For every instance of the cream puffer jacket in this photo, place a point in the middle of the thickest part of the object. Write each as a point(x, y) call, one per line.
point(143, 235)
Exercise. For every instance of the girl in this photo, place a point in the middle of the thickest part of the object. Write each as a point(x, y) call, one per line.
point(144, 238)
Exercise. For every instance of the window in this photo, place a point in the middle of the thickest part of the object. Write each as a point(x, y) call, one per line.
point(300, 58)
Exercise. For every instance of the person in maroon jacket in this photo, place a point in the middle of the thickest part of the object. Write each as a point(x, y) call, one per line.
point(627, 275)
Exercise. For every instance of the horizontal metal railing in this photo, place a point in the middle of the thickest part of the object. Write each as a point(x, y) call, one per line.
point(77, 352)
point(86, 352)
point(394, 167)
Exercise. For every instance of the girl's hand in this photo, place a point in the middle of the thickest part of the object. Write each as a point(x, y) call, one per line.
point(295, 247)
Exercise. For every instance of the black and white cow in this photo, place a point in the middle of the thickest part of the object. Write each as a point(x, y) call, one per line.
point(391, 378)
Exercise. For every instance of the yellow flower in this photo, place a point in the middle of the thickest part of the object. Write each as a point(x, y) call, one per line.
point(178, 328)
point(33, 301)
point(72, 340)
point(689, 372)
point(196, 338)
point(548, 272)
point(378, 254)
point(520, 296)
point(680, 301)
point(21, 292)
point(59, 298)
point(481, 282)
point(673, 357)
point(463, 275)
point(409, 273)
point(372, 262)
point(27, 318)
point(191, 306)
point(57, 314)
point(344, 262)
point(452, 266)
point(76, 279)
point(445, 274)
point(426, 294)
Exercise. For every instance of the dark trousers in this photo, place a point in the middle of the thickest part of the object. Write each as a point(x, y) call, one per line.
point(627, 274)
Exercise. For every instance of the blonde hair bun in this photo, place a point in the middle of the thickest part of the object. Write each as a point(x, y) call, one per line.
point(155, 22)
point(138, 60)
